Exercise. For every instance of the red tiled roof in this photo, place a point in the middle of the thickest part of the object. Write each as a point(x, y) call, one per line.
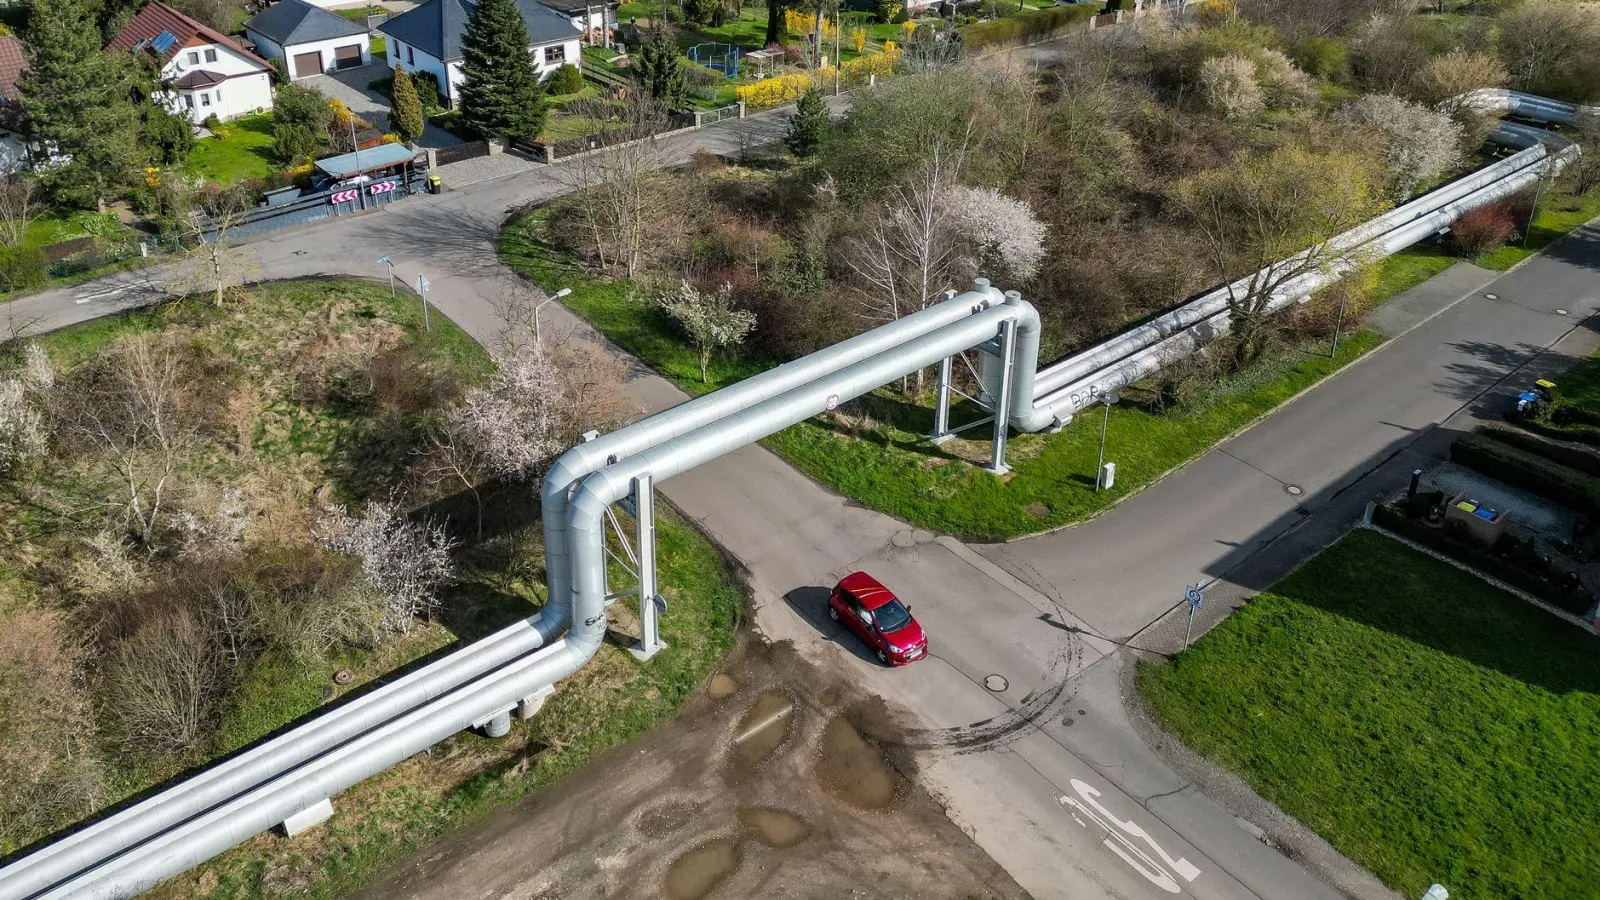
point(11, 65)
point(156, 18)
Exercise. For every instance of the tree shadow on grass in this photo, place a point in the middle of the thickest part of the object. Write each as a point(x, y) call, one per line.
point(1378, 582)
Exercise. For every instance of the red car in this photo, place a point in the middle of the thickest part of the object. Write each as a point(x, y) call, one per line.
point(869, 609)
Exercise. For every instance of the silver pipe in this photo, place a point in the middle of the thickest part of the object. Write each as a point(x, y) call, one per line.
point(583, 459)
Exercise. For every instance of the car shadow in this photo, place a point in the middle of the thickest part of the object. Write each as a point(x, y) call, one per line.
point(811, 602)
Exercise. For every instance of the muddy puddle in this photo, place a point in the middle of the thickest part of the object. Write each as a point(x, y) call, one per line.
point(696, 873)
point(762, 729)
point(852, 769)
point(722, 686)
point(774, 827)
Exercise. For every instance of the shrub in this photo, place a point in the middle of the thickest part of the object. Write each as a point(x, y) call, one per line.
point(1283, 86)
point(427, 85)
point(1419, 143)
point(1529, 471)
point(162, 684)
point(1581, 457)
point(566, 80)
point(1026, 26)
point(22, 267)
point(1228, 84)
point(214, 125)
point(1481, 230)
point(773, 91)
point(1322, 57)
point(293, 142)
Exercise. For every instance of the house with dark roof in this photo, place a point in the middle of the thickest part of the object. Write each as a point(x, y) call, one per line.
point(594, 17)
point(428, 39)
point(204, 72)
point(14, 152)
point(309, 40)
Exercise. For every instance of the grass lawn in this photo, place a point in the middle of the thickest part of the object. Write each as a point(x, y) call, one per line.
point(246, 152)
point(1433, 728)
point(55, 227)
point(1409, 268)
point(876, 454)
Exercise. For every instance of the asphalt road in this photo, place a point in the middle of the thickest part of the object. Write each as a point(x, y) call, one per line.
point(1018, 708)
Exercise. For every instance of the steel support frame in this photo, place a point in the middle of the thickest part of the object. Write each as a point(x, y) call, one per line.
point(644, 516)
point(1002, 407)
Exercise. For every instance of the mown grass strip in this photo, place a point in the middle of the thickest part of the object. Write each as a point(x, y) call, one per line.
point(1433, 728)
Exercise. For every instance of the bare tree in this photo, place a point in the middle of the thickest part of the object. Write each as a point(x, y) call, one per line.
point(708, 319)
point(204, 217)
point(627, 205)
point(19, 207)
point(162, 683)
point(1267, 220)
point(1548, 47)
point(131, 407)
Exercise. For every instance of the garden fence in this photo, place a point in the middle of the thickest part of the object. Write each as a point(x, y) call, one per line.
point(470, 150)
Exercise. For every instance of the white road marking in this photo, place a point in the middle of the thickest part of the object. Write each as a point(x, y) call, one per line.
point(1117, 840)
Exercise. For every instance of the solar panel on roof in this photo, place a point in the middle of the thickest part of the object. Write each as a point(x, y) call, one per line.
point(163, 42)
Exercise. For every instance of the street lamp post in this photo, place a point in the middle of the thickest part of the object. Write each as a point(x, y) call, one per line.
point(538, 338)
point(1109, 400)
point(1338, 325)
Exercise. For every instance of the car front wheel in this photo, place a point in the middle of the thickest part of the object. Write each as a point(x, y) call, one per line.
point(833, 614)
point(883, 657)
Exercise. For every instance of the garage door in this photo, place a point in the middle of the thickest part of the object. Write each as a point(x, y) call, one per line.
point(347, 57)
point(307, 64)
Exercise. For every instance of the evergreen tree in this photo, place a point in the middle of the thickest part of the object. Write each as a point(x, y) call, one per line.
point(810, 125)
point(79, 101)
point(405, 116)
point(502, 94)
point(661, 71)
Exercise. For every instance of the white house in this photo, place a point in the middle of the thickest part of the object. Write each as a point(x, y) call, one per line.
point(597, 16)
point(205, 72)
point(428, 39)
point(309, 40)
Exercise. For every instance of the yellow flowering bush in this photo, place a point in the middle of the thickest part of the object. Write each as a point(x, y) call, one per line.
point(856, 70)
point(796, 22)
point(908, 26)
point(858, 38)
point(781, 89)
point(1216, 12)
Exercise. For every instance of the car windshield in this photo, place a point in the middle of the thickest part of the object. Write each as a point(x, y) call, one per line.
point(891, 616)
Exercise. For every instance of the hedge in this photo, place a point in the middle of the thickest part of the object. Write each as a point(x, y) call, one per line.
point(1576, 602)
point(1579, 456)
point(1529, 471)
point(1025, 26)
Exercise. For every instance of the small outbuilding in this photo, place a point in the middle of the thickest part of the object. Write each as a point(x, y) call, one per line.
point(309, 40)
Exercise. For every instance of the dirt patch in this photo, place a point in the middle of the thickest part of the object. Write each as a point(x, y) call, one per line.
point(852, 769)
point(698, 872)
point(722, 685)
point(790, 793)
point(774, 827)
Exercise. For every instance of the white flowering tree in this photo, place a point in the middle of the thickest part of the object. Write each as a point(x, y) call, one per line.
point(514, 420)
point(1419, 144)
point(709, 320)
point(1006, 229)
point(405, 562)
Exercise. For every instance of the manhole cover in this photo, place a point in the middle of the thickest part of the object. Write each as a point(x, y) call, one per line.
point(1293, 490)
point(1491, 296)
point(1067, 721)
point(996, 683)
point(1561, 312)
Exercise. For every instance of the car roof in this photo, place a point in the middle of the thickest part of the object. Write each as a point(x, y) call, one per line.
point(867, 589)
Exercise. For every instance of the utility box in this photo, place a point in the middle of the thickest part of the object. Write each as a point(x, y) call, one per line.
point(1108, 476)
point(1484, 524)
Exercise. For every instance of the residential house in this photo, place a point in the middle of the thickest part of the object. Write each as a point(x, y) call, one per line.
point(593, 17)
point(13, 147)
point(428, 39)
point(205, 72)
point(309, 40)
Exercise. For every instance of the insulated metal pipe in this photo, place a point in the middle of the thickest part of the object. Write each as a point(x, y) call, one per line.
point(585, 458)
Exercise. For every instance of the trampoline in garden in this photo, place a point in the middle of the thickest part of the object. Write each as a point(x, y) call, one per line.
point(723, 58)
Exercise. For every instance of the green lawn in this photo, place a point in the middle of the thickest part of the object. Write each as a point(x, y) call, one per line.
point(1433, 728)
point(1409, 268)
point(878, 456)
point(246, 152)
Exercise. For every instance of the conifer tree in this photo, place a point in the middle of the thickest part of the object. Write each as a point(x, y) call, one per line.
point(809, 127)
point(79, 103)
point(502, 94)
point(661, 73)
point(405, 116)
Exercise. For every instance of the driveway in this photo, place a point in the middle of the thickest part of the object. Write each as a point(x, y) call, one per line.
point(350, 88)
